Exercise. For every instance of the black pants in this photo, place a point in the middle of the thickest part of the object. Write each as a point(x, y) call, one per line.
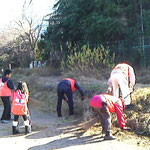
point(65, 88)
point(7, 108)
point(16, 117)
point(104, 117)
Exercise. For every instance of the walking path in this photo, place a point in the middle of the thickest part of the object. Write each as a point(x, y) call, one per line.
point(51, 133)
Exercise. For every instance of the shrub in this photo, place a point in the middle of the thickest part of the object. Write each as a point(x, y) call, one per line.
point(87, 58)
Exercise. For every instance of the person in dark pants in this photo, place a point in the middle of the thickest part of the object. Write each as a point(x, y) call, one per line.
point(66, 87)
point(6, 86)
point(104, 105)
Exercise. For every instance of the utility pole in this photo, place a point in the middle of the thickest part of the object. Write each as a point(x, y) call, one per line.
point(142, 30)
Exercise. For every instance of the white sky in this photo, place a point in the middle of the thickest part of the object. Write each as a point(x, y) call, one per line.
point(11, 10)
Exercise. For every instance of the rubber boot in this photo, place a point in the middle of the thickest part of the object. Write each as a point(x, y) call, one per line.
point(59, 115)
point(15, 130)
point(27, 127)
point(109, 136)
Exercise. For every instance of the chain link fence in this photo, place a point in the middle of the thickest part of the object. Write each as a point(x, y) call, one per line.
point(135, 52)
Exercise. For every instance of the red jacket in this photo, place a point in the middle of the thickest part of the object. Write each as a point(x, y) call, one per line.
point(114, 104)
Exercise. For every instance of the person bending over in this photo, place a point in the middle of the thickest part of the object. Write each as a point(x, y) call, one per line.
point(104, 104)
point(66, 87)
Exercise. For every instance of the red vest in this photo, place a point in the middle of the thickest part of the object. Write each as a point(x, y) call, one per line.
point(72, 81)
point(4, 89)
point(19, 106)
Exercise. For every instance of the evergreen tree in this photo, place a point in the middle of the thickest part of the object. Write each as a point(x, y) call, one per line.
point(95, 22)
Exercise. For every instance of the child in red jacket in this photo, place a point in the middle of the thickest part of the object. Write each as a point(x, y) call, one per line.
point(20, 108)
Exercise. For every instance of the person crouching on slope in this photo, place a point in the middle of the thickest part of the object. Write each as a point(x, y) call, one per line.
point(67, 86)
point(20, 108)
point(105, 104)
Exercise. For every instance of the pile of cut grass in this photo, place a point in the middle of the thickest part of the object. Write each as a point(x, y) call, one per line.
point(137, 117)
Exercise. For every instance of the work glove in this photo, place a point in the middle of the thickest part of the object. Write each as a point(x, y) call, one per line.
point(66, 100)
point(82, 98)
point(126, 128)
point(131, 88)
point(109, 90)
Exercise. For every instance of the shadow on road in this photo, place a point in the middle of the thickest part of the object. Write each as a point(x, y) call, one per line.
point(65, 137)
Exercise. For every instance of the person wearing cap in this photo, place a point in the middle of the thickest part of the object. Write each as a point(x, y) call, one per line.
point(66, 87)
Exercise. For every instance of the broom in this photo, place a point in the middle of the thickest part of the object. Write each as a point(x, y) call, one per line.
point(88, 124)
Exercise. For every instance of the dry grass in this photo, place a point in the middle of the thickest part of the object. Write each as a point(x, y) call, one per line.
point(138, 117)
point(141, 94)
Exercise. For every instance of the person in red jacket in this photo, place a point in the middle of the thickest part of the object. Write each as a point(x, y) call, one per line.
point(6, 87)
point(105, 104)
point(20, 107)
point(66, 87)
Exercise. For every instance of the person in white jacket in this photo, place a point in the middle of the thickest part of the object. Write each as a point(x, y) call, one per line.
point(123, 77)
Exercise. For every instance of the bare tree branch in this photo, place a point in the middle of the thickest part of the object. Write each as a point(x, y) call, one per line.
point(30, 2)
point(29, 32)
point(24, 4)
